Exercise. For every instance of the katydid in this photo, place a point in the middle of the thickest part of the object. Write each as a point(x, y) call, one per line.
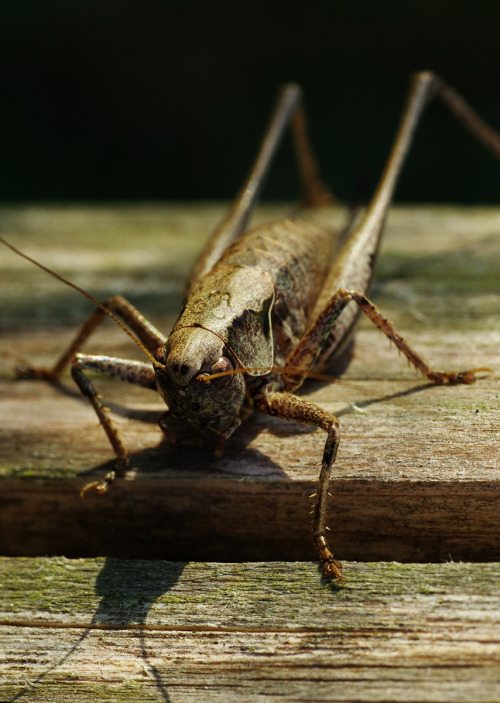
point(266, 308)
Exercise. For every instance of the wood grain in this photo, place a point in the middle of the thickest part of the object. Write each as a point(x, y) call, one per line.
point(417, 476)
point(113, 630)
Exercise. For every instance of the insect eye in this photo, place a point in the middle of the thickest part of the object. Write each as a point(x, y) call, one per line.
point(222, 364)
point(159, 355)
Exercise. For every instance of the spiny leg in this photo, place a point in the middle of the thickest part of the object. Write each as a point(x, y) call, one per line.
point(438, 377)
point(127, 370)
point(290, 407)
point(309, 348)
point(288, 111)
point(145, 331)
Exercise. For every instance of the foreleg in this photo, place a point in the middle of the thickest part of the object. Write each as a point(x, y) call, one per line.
point(291, 407)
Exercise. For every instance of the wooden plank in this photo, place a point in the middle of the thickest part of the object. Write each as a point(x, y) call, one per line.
point(113, 630)
point(417, 475)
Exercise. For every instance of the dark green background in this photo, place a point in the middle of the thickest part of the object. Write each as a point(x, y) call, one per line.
point(145, 100)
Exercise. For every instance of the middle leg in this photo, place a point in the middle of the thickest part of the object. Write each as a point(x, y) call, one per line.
point(137, 372)
point(308, 351)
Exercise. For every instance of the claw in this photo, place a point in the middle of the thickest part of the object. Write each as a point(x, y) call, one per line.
point(455, 377)
point(99, 486)
point(470, 375)
point(331, 567)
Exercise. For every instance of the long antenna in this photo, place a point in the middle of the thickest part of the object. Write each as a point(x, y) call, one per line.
point(285, 370)
point(90, 297)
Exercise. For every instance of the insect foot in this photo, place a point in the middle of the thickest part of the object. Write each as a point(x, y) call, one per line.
point(24, 370)
point(455, 377)
point(331, 567)
point(102, 485)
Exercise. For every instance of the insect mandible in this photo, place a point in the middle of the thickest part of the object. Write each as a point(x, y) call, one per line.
point(265, 308)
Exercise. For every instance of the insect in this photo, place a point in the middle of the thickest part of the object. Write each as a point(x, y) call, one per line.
point(265, 309)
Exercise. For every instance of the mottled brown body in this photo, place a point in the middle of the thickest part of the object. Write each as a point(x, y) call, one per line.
point(277, 296)
point(259, 301)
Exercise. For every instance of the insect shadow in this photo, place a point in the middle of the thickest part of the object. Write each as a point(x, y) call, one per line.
point(187, 457)
point(128, 589)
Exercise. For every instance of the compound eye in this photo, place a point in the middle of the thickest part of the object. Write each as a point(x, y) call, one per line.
point(221, 365)
point(159, 355)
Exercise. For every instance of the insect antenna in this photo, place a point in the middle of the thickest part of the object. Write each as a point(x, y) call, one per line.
point(90, 297)
point(289, 371)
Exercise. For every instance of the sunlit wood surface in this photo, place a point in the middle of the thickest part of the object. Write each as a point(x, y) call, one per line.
point(417, 479)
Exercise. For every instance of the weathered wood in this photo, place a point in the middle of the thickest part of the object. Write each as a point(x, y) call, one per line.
point(112, 630)
point(417, 475)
